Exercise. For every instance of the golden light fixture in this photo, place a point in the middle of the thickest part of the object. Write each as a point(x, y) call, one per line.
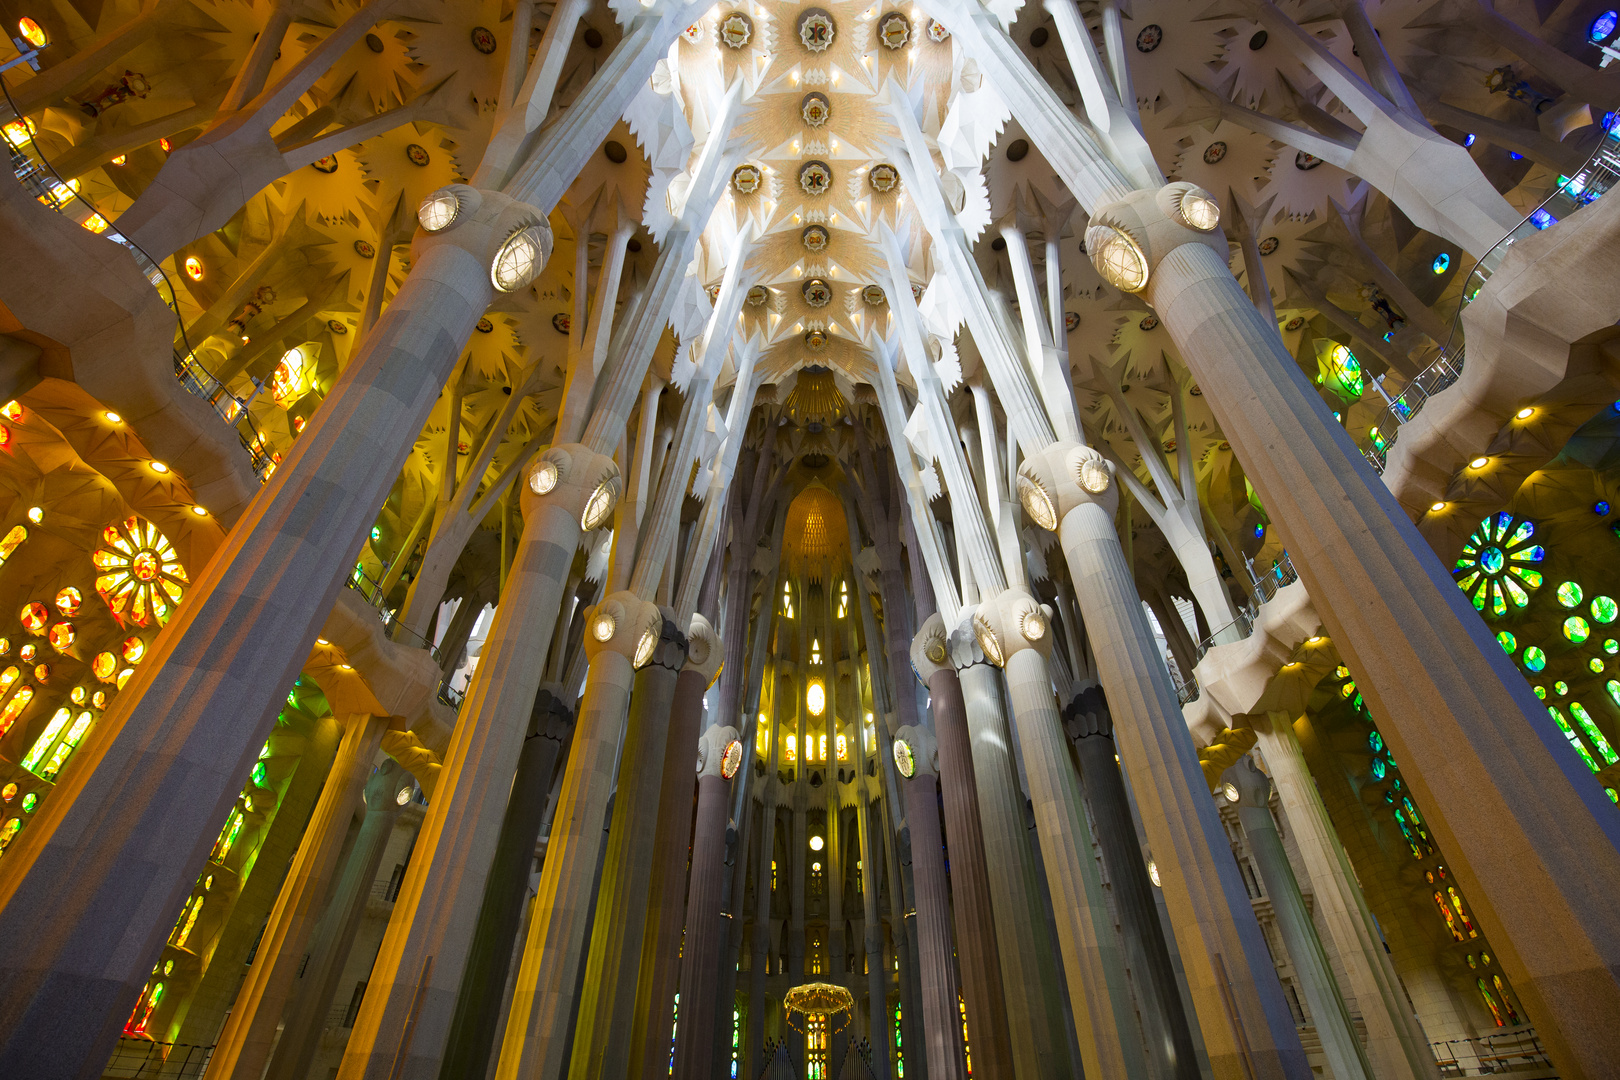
point(113, 418)
point(1525, 413)
point(604, 625)
point(1479, 463)
point(159, 467)
point(1435, 508)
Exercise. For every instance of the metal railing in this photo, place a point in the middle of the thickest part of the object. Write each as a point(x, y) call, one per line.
point(1266, 585)
point(372, 591)
point(149, 1060)
point(1513, 1051)
point(1600, 173)
point(35, 173)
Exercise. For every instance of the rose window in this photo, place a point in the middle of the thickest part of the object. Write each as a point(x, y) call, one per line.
point(1495, 567)
point(138, 572)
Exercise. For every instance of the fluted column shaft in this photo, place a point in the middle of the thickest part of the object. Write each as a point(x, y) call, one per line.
point(1025, 949)
point(334, 936)
point(1164, 1020)
point(1334, 1027)
point(483, 987)
point(989, 1010)
point(1453, 705)
point(542, 1003)
point(764, 928)
point(602, 1037)
point(250, 1030)
point(700, 963)
point(1247, 1028)
point(1396, 1044)
point(1104, 1022)
point(942, 1027)
point(666, 898)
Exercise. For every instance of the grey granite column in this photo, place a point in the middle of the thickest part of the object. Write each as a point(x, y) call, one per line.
point(403, 1022)
point(1535, 846)
point(1334, 1027)
point(250, 1030)
point(329, 949)
point(1164, 1021)
point(538, 1024)
point(602, 1037)
point(1242, 1015)
point(483, 986)
point(142, 801)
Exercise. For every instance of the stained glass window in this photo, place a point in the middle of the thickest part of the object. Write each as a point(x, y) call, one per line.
point(1577, 629)
point(13, 708)
point(1490, 1003)
point(1584, 719)
point(1569, 594)
point(1508, 642)
point(1604, 609)
point(1495, 568)
point(1534, 658)
point(138, 572)
point(899, 1054)
point(1574, 739)
point(12, 542)
point(1507, 1006)
point(1449, 919)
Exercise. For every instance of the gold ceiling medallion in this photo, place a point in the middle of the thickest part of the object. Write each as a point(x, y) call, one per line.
point(816, 109)
point(873, 295)
point(815, 238)
point(483, 40)
point(815, 340)
point(817, 293)
point(937, 32)
point(815, 178)
point(884, 178)
point(894, 30)
point(816, 30)
point(736, 30)
point(746, 179)
point(758, 295)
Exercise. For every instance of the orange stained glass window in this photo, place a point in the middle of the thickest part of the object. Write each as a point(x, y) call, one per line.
point(104, 666)
point(28, 652)
point(42, 672)
point(62, 635)
point(34, 616)
point(124, 676)
point(134, 649)
point(9, 676)
point(99, 699)
point(13, 540)
point(138, 572)
point(1451, 920)
point(68, 601)
point(12, 411)
point(13, 708)
point(5, 646)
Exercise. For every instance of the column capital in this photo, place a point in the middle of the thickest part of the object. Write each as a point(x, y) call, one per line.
point(1010, 623)
point(963, 643)
point(931, 648)
point(1127, 239)
point(705, 653)
point(1087, 714)
point(511, 239)
point(1062, 478)
point(626, 624)
point(1253, 786)
point(915, 752)
point(671, 648)
point(386, 783)
point(715, 756)
point(575, 477)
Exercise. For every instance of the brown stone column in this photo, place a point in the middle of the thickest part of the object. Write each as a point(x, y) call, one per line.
point(700, 963)
point(989, 1022)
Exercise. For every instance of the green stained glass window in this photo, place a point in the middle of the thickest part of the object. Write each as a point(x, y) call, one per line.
point(1534, 658)
point(1593, 732)
point(1379, 769)
point(1560, 687)
point(258, 773)
point(1541, 692)
point(1611, 646)
point(1604, 609)
point(1574, 739)
point(1596, 665)
point(1577, 629)
point(1376, 741)
point(1569, 594)
point(1613, 687)
point(1492, 569)
point(1508, 642)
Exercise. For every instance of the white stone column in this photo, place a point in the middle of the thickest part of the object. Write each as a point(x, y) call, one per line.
point(410, 998)
point(1396, 1043)
point(1245, 1022)
point(542, 1003)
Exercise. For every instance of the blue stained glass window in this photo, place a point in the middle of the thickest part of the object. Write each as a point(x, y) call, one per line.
point(1603, 26)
